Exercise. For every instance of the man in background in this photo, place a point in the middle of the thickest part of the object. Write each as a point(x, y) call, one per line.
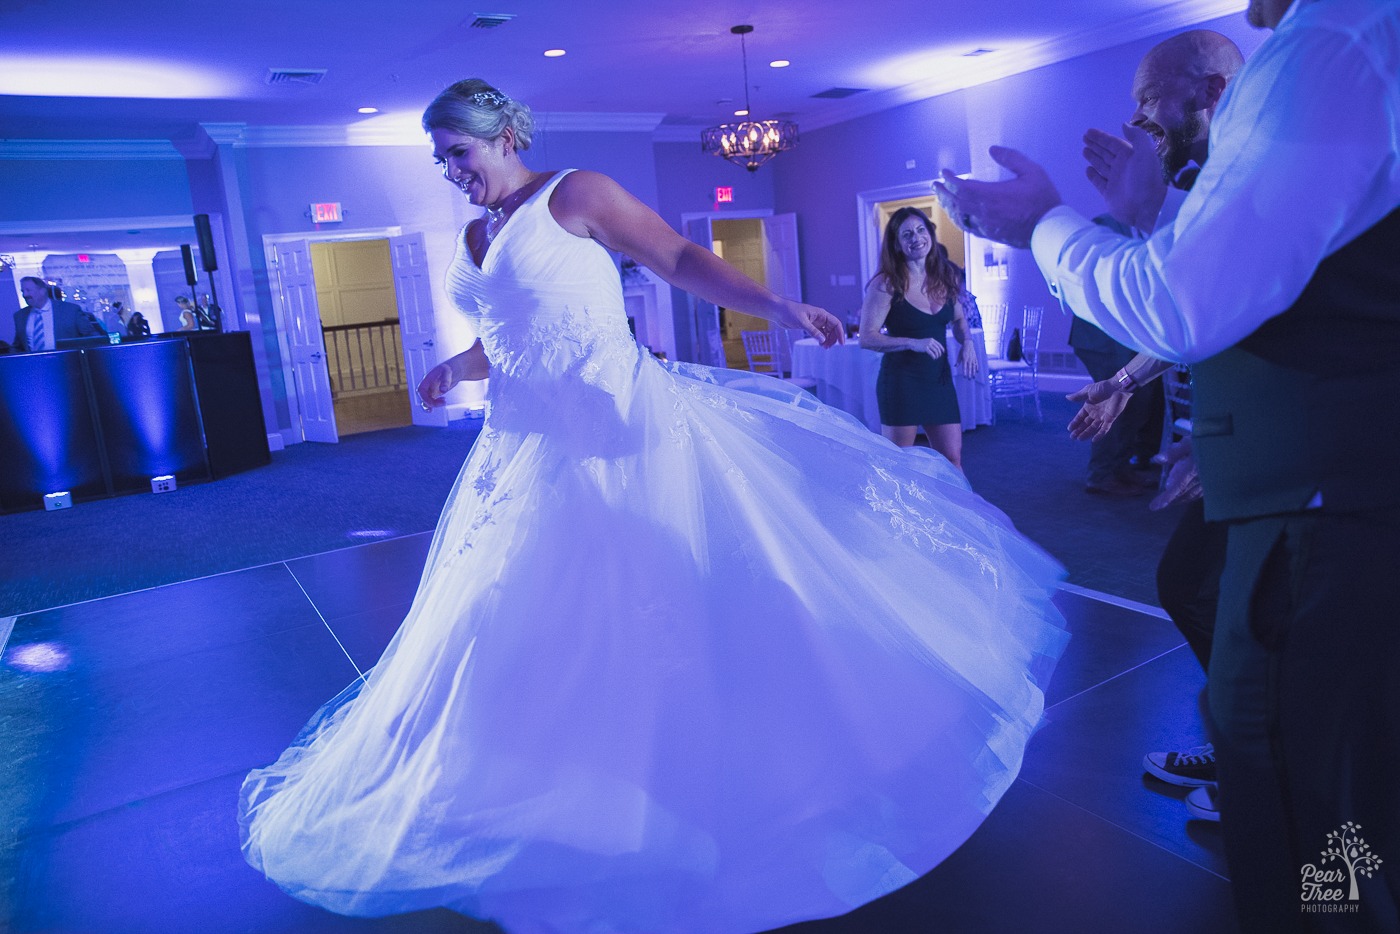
point(1178, 86)
point(46, 320)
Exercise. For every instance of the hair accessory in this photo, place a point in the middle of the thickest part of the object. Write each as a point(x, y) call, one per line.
point(483, 98)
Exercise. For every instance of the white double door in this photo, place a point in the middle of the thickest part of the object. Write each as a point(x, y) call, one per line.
point(784, 275)
point(296, 283)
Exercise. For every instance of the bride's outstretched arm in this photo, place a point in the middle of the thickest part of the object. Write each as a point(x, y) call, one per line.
point(588, 204)
point(470, 364)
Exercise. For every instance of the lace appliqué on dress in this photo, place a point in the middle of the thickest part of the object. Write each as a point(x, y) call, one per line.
point(890, 498)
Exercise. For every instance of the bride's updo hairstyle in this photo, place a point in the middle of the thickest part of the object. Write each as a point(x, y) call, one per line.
point(474, 108)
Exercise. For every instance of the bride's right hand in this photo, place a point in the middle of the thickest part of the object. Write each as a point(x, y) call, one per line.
point(818, 322)
point(436, 384)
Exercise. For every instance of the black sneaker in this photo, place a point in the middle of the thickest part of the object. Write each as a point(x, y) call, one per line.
point(1190, 769)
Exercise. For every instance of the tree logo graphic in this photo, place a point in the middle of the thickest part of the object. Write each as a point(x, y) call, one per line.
point(1344, 847)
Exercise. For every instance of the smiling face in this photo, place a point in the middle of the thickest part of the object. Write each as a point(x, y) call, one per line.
point(915, 239)
point(477, 166)
point(1170, 108)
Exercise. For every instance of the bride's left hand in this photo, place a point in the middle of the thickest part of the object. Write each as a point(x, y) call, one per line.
point(818, 322)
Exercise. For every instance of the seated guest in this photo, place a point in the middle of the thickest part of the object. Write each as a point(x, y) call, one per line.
point(46, 320)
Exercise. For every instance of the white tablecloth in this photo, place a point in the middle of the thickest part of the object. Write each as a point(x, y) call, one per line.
point(846, 374)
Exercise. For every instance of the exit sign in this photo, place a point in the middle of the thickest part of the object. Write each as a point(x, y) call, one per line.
point(724, 195)
point(327, 212)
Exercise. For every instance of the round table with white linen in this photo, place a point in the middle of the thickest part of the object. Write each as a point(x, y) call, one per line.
point(846, 373)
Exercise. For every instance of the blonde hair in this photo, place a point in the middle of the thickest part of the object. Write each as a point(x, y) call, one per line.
point(474, 108)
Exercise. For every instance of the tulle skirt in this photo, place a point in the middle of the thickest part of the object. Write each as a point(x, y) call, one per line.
point(700, 656)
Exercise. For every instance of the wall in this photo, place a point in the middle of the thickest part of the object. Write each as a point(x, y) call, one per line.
point(45, 191)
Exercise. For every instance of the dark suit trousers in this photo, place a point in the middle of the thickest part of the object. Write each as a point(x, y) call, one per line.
point(1188, 578)
point(1135, 431)
point(1305, 707)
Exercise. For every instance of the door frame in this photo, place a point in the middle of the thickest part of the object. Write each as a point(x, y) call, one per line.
point(292, 435)
point(694, 323)
point(865, 215)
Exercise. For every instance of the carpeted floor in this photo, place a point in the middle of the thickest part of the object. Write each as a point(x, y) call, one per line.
point(315, 498)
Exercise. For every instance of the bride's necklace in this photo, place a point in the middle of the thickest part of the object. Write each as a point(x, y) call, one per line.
point(496, 217)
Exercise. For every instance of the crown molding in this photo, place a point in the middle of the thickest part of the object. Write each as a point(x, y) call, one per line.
point(962, 73)
point(76, 149)
point(179, 221)
point(370, 134)
point(224, 134)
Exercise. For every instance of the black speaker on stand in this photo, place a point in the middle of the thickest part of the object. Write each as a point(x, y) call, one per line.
point(213, 316)
point(191, 279)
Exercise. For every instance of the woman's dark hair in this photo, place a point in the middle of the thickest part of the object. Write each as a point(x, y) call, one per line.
point(941, 274)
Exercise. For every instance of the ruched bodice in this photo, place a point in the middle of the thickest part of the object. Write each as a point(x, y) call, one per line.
point(548, 308)
point(545, 301)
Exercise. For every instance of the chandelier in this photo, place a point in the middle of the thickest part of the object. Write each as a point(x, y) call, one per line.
point(749, 143)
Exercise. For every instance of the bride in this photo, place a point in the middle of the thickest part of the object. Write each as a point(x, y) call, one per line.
point(691, 652)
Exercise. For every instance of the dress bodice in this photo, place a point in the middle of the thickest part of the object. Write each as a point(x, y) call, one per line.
point(548, 307)
point(904, 320)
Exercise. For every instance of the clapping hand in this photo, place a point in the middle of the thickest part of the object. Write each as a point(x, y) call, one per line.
point(1127, 172)
point(1103, 403)
point(1006, 211)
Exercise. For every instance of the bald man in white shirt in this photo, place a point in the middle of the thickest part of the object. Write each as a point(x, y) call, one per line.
point(1280, 276)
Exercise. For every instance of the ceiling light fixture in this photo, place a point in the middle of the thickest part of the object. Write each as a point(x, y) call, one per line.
point(553, 53)
point(779, 63)
point(751, 142)
point(367, 110)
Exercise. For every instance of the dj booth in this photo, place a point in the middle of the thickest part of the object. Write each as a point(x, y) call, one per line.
point(96, 419)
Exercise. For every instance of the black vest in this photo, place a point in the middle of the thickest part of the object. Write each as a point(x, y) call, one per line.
point(1310, 402)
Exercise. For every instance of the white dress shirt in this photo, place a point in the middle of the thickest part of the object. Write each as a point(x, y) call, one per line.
point(1304, 157)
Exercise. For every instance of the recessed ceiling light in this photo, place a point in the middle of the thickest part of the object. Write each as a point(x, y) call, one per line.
point(779, 63)
point(368, 110)
point(741, 113)
point(553, 53)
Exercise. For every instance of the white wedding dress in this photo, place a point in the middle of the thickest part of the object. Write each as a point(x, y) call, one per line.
point(691, 652)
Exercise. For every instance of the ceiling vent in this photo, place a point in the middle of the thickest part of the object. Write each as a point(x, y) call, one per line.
point(295, 75)
point(490, 20)
point(837, 93)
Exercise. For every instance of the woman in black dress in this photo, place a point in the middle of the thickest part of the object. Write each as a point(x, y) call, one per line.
point(908, 306)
